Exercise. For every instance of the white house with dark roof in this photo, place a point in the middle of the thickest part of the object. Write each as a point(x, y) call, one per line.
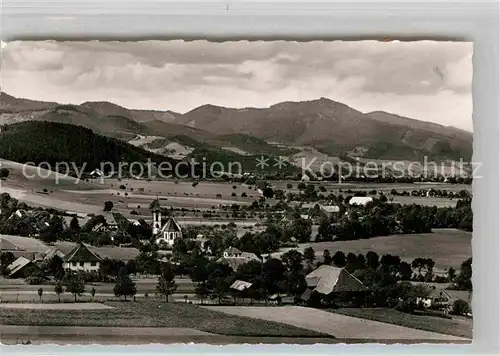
point(82, 258)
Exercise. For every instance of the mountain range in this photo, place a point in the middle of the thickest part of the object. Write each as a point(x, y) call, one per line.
point(282, 129)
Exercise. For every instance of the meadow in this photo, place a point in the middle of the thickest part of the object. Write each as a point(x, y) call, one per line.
point(447, 247)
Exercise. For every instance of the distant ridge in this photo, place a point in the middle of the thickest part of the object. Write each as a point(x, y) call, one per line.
point(329, 126)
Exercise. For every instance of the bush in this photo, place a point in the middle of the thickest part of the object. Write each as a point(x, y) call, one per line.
point(460, 307)
point(4, 173)
point(37, 278)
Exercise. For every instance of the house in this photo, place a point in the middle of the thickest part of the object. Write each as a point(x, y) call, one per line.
point(231, 252)
point(19, 214)
point(22, 268)
point(360, 201)
point(234, 258)
point(110, 224)
point(49, 254)
point(326, 281)
point(240, 285)
point(438, 298)
point(82, 258)
point(330, 210)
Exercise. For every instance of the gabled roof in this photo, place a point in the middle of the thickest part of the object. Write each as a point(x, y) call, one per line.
point(232, 251)
point(7, 246)
point(17, 265)
point(249, 256)
point(110, 219)
point(49, 254)
point(327, 279)
point(439, 293)
point(171, 225)
point(82, 253)
point(329, 208)
point(240, 285)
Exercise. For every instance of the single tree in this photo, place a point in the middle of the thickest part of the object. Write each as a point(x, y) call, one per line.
point(58, 289)
point(124, 286)
point(327, 257)
point(309, 255)
point(372, 259)
point(4, 173)
point(166, 282)
point(292, 260)
point(74, 226)
point(108, 205)
point(268, 192)
point(452, 273)
point(339, 259)
point(75, 286)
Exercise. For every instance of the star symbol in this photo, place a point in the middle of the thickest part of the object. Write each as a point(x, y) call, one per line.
point(262, 162)
point(280, 162)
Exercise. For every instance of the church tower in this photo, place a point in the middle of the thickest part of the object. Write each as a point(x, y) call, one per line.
point(156, 211)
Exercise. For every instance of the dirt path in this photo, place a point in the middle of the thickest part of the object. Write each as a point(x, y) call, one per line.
point(340, 326)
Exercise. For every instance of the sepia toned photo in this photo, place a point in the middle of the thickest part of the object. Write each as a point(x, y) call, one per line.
point(236, 192)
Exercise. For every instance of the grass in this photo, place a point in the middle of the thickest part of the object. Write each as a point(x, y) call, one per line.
point(456, 327)
point(447, 247)
point(155, 314)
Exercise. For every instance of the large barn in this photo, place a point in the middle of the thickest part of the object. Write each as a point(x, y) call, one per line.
point(326, 283)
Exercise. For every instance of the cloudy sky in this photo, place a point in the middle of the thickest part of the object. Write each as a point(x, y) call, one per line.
point(426, 80)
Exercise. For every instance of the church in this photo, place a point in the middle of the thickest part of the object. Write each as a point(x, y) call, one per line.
point(164, 233)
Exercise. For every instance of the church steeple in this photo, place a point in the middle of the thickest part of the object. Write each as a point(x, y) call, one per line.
point(155, 208)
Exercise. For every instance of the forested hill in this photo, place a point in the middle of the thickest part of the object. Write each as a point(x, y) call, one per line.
point(37, 141)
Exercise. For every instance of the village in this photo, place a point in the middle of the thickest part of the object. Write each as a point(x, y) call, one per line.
point(237, 192)
point(51, 256)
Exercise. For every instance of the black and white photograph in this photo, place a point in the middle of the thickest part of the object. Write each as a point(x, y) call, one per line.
point(236, 192)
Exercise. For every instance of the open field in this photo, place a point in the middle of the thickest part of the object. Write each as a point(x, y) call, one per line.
point(426, 201)
point(80, 335)
point(54, 306)
point(334, 187)
point(89, 196)
point(152, 315)
point(447, 247)
point(15, 290)
point(340, 326)
point(458, 326)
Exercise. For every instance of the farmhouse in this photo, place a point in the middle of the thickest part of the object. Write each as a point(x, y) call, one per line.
point(327, 281)
point(22, 268)
point(82, 258)
point(235, 258)
point(49, 254)
point(437, 298)
point(231, 252)
point(110, 224)
point(329, 210)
